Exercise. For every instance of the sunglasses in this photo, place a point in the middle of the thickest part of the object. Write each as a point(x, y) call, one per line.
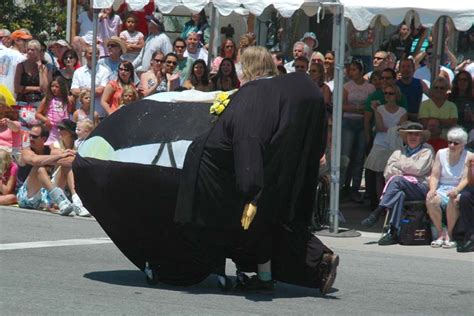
point(180, 46)
point(229, 46)
point(450, 142)
point(439, 88)
point(159, 61)
point(34, 136)
point(378, 58)
point(69, 57)
point(112, 45)
point(169, 62)
point(389, 93)
point(123, 69)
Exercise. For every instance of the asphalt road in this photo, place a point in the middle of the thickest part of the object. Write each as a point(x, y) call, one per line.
point(53, 265)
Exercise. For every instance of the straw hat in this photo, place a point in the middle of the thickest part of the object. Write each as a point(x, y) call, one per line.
point(413, 127)
point(117, 41)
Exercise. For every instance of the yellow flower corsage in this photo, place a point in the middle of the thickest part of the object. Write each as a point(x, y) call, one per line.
point(220, 103)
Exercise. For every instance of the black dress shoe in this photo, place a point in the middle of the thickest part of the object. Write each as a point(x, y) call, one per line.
point(369, 221)
point(467, 246)
point(328, 268)
point(388, 239)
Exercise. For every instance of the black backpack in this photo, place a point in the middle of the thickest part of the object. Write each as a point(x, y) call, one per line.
point(415, 228)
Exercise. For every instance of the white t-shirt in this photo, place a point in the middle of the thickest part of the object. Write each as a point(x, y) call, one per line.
point(131, 38)
point(82, 80)
point(9, 59)
point(389, 120)
point(86, 27)
point(201, 53)
point(357, 94)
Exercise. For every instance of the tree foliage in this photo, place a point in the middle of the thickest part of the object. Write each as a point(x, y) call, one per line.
point(38, 16)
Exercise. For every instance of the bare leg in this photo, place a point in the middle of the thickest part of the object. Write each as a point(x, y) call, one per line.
point(37, 179)
point(434, 211)
point(8, 199)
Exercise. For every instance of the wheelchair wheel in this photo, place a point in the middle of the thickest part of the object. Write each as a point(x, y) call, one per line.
point(320, 216)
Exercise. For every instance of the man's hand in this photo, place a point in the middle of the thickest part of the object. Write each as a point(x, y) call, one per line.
point(248, 214)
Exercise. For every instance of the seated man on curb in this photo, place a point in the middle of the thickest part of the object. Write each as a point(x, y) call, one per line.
point(465, 224)
point(406, 173)
point(37, 189)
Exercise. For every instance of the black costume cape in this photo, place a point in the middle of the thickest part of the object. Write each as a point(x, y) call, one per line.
point(152, 162)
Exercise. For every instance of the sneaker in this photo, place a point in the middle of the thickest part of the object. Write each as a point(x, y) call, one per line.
point(388, 239)
point(329, 271)
point(448, 244)
point(258, 285)
point(81, 211)
point(66, 208)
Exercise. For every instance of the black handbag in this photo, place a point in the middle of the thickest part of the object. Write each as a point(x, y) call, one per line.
point(415, 228)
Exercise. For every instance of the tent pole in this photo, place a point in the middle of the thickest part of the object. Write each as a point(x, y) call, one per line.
point(214, 34)
point(94, 63)
point(339, 28)
point(438, 48)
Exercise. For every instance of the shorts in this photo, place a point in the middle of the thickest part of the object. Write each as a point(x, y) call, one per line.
point(38, 201)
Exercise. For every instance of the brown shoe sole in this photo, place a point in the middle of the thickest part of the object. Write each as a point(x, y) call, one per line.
point(330, 276)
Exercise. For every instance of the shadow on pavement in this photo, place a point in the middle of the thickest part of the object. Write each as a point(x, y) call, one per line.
point(136, 278)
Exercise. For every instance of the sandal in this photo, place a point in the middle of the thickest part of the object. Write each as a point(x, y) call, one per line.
point(449, 244)
point(438, 243)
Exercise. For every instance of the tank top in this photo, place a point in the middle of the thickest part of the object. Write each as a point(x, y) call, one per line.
point(29, 80)
point(451, 175)
point(389, 120)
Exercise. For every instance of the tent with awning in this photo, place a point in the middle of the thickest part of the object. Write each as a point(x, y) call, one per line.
point(360, 12)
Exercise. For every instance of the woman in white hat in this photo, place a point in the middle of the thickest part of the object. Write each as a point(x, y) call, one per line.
point(445, 185)
point(406, 174)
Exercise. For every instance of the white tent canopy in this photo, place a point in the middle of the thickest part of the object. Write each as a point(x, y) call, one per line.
point(225, 7)
point(360, 12)
point(426, 12)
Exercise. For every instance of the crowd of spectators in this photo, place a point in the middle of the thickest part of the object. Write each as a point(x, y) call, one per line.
point(390, 89)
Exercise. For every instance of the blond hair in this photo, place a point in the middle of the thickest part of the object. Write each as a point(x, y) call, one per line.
point(5, 161)
point(83, 93)
point(86, 124)
point(257, 62)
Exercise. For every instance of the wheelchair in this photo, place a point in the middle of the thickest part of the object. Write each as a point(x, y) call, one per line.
point(320, 214)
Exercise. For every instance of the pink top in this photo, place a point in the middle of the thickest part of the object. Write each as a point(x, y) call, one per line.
point(11, 139)
point(11, 172)
point(57, 111)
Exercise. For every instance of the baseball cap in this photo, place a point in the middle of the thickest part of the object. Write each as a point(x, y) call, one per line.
point(21, 35)
point(156, 18)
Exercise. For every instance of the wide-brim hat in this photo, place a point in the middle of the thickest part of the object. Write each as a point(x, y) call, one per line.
point(60, 42)
point(313, 36)
point(69, 126)
point(413, 127)
point(118, 41)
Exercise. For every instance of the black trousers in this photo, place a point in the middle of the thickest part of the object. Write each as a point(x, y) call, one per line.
point(465, 224)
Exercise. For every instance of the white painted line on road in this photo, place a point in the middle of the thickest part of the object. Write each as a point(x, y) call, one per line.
point(370, 235)
point(55, 243)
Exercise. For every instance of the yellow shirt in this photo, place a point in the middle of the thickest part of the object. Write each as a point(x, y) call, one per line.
point(429, 110)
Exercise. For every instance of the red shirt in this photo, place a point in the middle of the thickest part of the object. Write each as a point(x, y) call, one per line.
point(438, 143)
point(140, 15)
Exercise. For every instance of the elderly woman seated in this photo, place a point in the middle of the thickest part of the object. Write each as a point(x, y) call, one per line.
point(406, 173)
point(445, 186)
point(465, 224)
